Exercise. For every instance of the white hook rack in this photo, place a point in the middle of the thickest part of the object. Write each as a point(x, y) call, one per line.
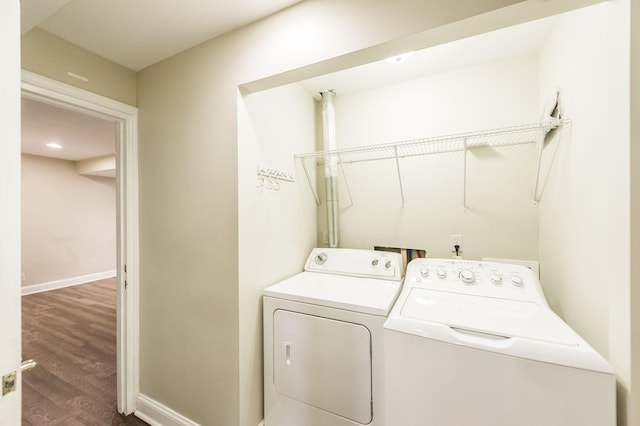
point(265, 172)
point(270, 178)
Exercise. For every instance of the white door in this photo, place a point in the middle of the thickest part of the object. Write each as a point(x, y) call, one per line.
point(10, 343)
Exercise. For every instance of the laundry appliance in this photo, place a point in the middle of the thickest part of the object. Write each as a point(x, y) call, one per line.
point(323, 339)
point(475, 343)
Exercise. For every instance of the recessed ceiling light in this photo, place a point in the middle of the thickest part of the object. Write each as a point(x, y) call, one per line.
point(399, 58)
point(54, 145)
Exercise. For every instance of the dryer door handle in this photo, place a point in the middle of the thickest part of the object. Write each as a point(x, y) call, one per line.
point(287, 353)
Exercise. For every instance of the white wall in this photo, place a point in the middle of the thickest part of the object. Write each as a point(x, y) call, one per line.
point(501, 220)
point(68, 221)
point(277, 227)
point(584, 211)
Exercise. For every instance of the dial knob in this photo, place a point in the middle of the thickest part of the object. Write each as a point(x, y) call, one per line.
point(321, 258)
point(442, 274)
point(374, 262)
point(467, 276)
point(516, 280)
point(424, 271)
point(388, 264)
point(496, 279)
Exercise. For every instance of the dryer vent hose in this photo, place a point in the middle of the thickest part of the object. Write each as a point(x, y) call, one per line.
point(330, 165)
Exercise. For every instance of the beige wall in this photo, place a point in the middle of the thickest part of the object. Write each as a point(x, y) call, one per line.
point(573, 209)
point(190, 301)
point(277, 225)
point(499, 180)
point(53, 57)
point(584, 211)
point(68, 221)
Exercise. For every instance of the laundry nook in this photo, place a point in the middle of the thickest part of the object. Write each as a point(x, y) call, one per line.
point(321, 212)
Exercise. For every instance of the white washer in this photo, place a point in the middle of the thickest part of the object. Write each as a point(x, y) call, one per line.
point(323, 331)
point(475, 343)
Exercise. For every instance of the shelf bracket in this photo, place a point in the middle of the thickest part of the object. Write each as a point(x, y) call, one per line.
point(395, 149)
point(306, 173)
point(545, 128)
point(540, 146)
point(346, 182)
point(464, 176)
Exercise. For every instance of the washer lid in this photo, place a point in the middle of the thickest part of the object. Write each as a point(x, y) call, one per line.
point(365, 295)
point(508, 318)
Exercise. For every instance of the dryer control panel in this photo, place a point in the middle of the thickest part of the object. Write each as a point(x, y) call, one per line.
point(499, 280)
point(356, 263)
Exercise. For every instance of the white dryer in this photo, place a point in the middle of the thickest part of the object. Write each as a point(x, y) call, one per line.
point(323, 339)
point(475, 343)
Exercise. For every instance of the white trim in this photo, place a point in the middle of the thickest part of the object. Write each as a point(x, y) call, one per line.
point(156, 414)
point(67, 282)
point(37, 87)
point(43, 89)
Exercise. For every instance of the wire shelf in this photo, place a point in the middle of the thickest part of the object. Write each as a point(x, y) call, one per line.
point(507, 136)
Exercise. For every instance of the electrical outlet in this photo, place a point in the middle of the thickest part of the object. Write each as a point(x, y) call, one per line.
point(456, 240)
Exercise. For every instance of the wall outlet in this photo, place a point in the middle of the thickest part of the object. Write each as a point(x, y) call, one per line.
point(456, 240)
point(24, 277)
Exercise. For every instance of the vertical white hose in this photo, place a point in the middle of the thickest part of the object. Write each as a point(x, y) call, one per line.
point(330, 165)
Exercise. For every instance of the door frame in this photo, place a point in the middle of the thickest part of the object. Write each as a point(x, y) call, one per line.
point(43, 89)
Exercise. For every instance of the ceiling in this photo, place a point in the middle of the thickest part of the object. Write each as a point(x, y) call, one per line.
point(139, 33)
point(127, 33)
point(134, 34)
point(519, 40)
point(81, 136)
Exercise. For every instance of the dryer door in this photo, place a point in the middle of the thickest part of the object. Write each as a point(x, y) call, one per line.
point(324, 363)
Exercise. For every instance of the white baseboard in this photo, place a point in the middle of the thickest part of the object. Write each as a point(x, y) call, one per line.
point(67, 282)
point(156, 414)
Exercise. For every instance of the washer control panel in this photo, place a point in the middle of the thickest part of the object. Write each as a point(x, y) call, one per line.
point(490, 279)
point(356, 263)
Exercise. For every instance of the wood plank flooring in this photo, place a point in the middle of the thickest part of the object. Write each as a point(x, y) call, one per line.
point(71, 333)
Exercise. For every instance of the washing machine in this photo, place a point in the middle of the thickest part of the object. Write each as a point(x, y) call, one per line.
point(323, 339)
point(475, 343)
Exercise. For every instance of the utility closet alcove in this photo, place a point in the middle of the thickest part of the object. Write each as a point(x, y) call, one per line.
point(506, 80)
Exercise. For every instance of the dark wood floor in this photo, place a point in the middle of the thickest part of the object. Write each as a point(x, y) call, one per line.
point(71, 333)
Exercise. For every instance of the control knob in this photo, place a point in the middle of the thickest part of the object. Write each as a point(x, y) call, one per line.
point(374, 262)
point(424, 271)
point(467, 276)
point(321, 258)
point(496, 279)
point(516, 280)
point(442, 274)
point(388, 264)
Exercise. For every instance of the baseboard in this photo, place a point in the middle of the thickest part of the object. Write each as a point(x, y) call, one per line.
point(67, 282)
point(156, 414)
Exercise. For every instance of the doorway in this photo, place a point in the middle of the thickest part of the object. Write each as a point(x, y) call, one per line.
point(44, 90)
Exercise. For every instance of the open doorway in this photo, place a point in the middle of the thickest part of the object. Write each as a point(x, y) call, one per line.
point(105, 175)
point(68, 264)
